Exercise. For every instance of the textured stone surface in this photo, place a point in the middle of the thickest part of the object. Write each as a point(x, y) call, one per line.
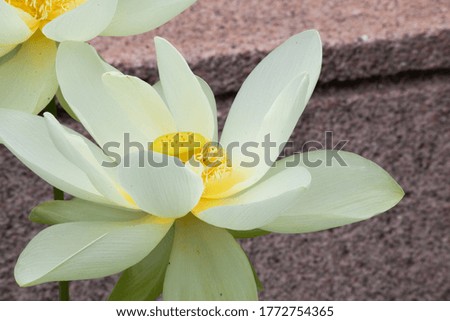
point(400, 123)
point(224, 39)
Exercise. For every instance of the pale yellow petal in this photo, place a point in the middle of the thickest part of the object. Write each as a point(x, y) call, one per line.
point(82, 23)
point(187, 101)
point(138, 16)
point(13, 30)
point(345, 188)
point(206, 264)
point(28, 79)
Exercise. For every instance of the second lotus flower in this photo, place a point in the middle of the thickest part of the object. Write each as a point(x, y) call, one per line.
point(171, 226)
point(31, 29)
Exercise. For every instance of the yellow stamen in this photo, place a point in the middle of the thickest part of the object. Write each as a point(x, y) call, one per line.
point(206, 158)
point(45, 10)
point(183, 145)
point(215, 163)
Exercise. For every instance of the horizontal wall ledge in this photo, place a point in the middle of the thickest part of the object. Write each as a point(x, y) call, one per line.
point(224, 40)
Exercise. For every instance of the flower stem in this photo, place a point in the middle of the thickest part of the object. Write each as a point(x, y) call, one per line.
point(64, 291)
point(64, 295)
point(51, 107)
point(58, 195)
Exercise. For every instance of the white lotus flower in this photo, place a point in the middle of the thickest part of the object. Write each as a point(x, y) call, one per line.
point(31, 29)
point(121, 213)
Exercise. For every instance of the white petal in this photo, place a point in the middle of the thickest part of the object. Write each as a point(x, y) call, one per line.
point(65, 105)
point(78, 210)
point(138, 16)
point(160, 184)
point(13, 30)
point(26, 136)
point(283, 116)
point(90, 159)
point(87, 250)
point(211, 99)
point(82, 23)
point(276, 128)
point(144, 281)
point(339, 194)
point(300, 54)
point(207, 264)
point(27, 79)
point(187, 102)
point(80, 70)
point(139, 98)
point(212, 104)
point(259, 205)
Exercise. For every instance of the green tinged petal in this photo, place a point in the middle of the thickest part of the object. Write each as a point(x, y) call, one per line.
point(283, 116)
point(187, 101)
point(5, 49)
point(138, 97)
point(87, 250)
point(65, 105)
point(258, 205)
point(144, 281)
point(211, 98)
point(27, 137)
point(28, 80)
point(339, 194)
point(276, 127)
point(81, 70)
point(82, 23)
point(165, 188)
point(13, 30)
point(207, 264)
point(212, 104)
point(78, 210)
point(10, 54)
point(90, 159)
point(300, 54)
point(259, 285)
point(138, 16)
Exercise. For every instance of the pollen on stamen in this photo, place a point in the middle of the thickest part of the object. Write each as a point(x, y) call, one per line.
point(210, 160)
point(45, 10)
point(215, 163)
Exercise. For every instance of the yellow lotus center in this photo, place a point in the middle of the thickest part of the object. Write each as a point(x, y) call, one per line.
point(206, 158)
point(45, 10)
